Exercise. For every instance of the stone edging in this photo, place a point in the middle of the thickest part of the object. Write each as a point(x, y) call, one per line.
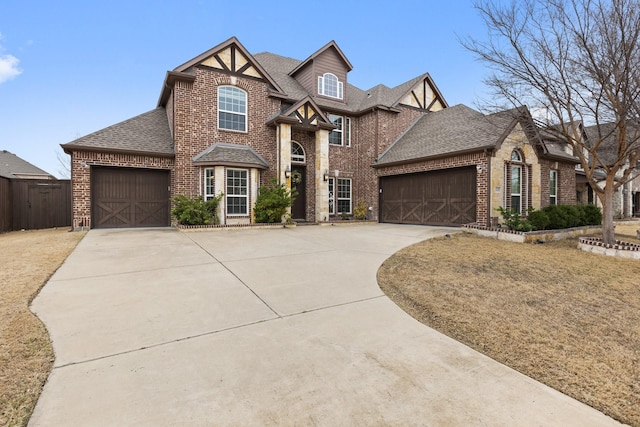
point(530, 236)
point(620, 249)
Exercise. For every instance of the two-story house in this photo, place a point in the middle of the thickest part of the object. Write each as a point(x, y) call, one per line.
point(228, 121)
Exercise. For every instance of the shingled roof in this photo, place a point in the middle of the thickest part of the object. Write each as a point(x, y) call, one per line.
point(147, 133)
point(12, 166)
point(226, 154)
point(608, 149)
point(461, 129)
point(357, 100)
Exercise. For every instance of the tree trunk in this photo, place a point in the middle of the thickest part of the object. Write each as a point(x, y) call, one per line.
point(608, 232)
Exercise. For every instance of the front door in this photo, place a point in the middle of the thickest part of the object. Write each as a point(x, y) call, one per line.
point(298, 185)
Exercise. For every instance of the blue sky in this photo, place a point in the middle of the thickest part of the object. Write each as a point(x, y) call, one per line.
point(69, 68)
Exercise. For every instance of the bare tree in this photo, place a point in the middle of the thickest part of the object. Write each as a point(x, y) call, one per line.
point(64, 163)
point(578, 63)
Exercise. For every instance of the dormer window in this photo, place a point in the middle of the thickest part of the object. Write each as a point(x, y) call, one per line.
point(328, 85)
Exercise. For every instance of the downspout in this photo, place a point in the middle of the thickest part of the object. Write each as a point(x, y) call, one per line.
point(487, 155)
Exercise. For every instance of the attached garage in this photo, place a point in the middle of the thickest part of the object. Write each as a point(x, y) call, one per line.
point(129, 197)
point(442, 197)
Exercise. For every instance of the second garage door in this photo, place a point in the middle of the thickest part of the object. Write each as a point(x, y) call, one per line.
point(127, 197)
point(446, 197)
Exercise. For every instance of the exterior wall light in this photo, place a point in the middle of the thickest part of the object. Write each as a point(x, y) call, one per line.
point(287, 172)
point(325, 176)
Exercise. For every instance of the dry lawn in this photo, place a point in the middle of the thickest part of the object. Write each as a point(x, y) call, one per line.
point(27, 260)
point(564, 317)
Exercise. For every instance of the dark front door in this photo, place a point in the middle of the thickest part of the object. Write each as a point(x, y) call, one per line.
point(298, 183)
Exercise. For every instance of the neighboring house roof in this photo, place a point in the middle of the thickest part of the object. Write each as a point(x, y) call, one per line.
point(461, 129)
point(608, 149)
point(147, 133)
point(13, 167)
point(226, 154)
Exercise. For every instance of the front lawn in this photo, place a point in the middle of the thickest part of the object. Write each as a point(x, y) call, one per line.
point(27, 260)
point(567, 318)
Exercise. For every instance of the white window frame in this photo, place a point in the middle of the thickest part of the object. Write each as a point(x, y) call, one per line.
point(553, 187)
point(344, 130)
point(296, 157)
point(332, 203)
point(338, 197)
point(239, 111)
point(230, 192)
point(517, 194)
point(208, 185)
point(325, 86)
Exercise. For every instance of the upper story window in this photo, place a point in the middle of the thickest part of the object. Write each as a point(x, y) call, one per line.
point(328, 85)
point(342, 134)
point(232, 108)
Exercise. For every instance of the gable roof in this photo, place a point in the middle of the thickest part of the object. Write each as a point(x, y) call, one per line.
point(12, 167)
point(226, 154)
point(356, 100)
point(608, 149)
point(147, 133)
point(461, 129)
point(331, 45)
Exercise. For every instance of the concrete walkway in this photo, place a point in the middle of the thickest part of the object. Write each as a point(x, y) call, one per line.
point(158, 327)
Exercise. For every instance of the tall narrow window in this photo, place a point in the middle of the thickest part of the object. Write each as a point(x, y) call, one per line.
point(237, 192)
point(328, 85)
point(208, 184)
point(232, 108)
point(347, 132)
point(344, 195)
point(332, 208)
point(335, 137)
point(516, 181)
point(553, 187)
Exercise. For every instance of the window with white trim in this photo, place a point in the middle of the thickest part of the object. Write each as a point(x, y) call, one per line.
point(553, 187)
point(342, 134)
point(232, 108)
point(237, 192)
point(516, 182)
point(332, 206)
point(209, 191)
point(297, 153)
point(344, 195)
point(328, 85)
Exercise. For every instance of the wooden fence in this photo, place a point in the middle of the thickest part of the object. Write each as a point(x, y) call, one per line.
point(29, 204)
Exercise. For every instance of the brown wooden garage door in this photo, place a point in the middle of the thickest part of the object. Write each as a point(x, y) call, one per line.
point(446, 197)
point(127, 197)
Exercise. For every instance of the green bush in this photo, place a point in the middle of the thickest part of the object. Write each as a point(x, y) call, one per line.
point(567, 216)
point(195, 211)
point(272, 203)
point(592, 214)
point(514, 221)
point(539, 220)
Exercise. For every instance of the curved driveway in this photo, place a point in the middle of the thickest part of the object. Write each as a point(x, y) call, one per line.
point(159, 327)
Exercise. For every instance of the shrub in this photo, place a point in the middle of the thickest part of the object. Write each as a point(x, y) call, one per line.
point(360, 210)
point(567, 216)
point(195, 211)
point(514, 221)
point(272, 203)
point(539, 220)
point(592, 214)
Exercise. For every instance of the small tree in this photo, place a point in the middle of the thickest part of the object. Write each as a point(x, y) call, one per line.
point(272, 203)
point(573, 63)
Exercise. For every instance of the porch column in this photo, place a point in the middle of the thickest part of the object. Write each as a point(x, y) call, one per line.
point(322, 166)
point(219, 188)
point(284, 156)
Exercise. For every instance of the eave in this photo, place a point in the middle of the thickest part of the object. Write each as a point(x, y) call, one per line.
point(169, 81)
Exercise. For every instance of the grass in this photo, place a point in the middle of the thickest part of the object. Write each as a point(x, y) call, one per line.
point(28, 259)
point(564, 317)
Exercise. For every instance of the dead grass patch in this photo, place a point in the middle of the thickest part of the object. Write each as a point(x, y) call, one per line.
point(564, 317)
point(28, 259)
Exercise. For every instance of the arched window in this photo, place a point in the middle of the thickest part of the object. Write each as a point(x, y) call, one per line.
point(328, 85)
point(517, 187)
point(232, 108)
point(297, 153)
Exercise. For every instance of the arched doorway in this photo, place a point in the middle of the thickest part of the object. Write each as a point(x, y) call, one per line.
point(298, 181)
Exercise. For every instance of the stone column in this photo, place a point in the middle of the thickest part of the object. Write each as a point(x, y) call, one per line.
point(322, 166)
point(219, 187)
point(284, 156)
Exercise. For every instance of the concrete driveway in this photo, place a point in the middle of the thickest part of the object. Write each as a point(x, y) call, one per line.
point(264, 327)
